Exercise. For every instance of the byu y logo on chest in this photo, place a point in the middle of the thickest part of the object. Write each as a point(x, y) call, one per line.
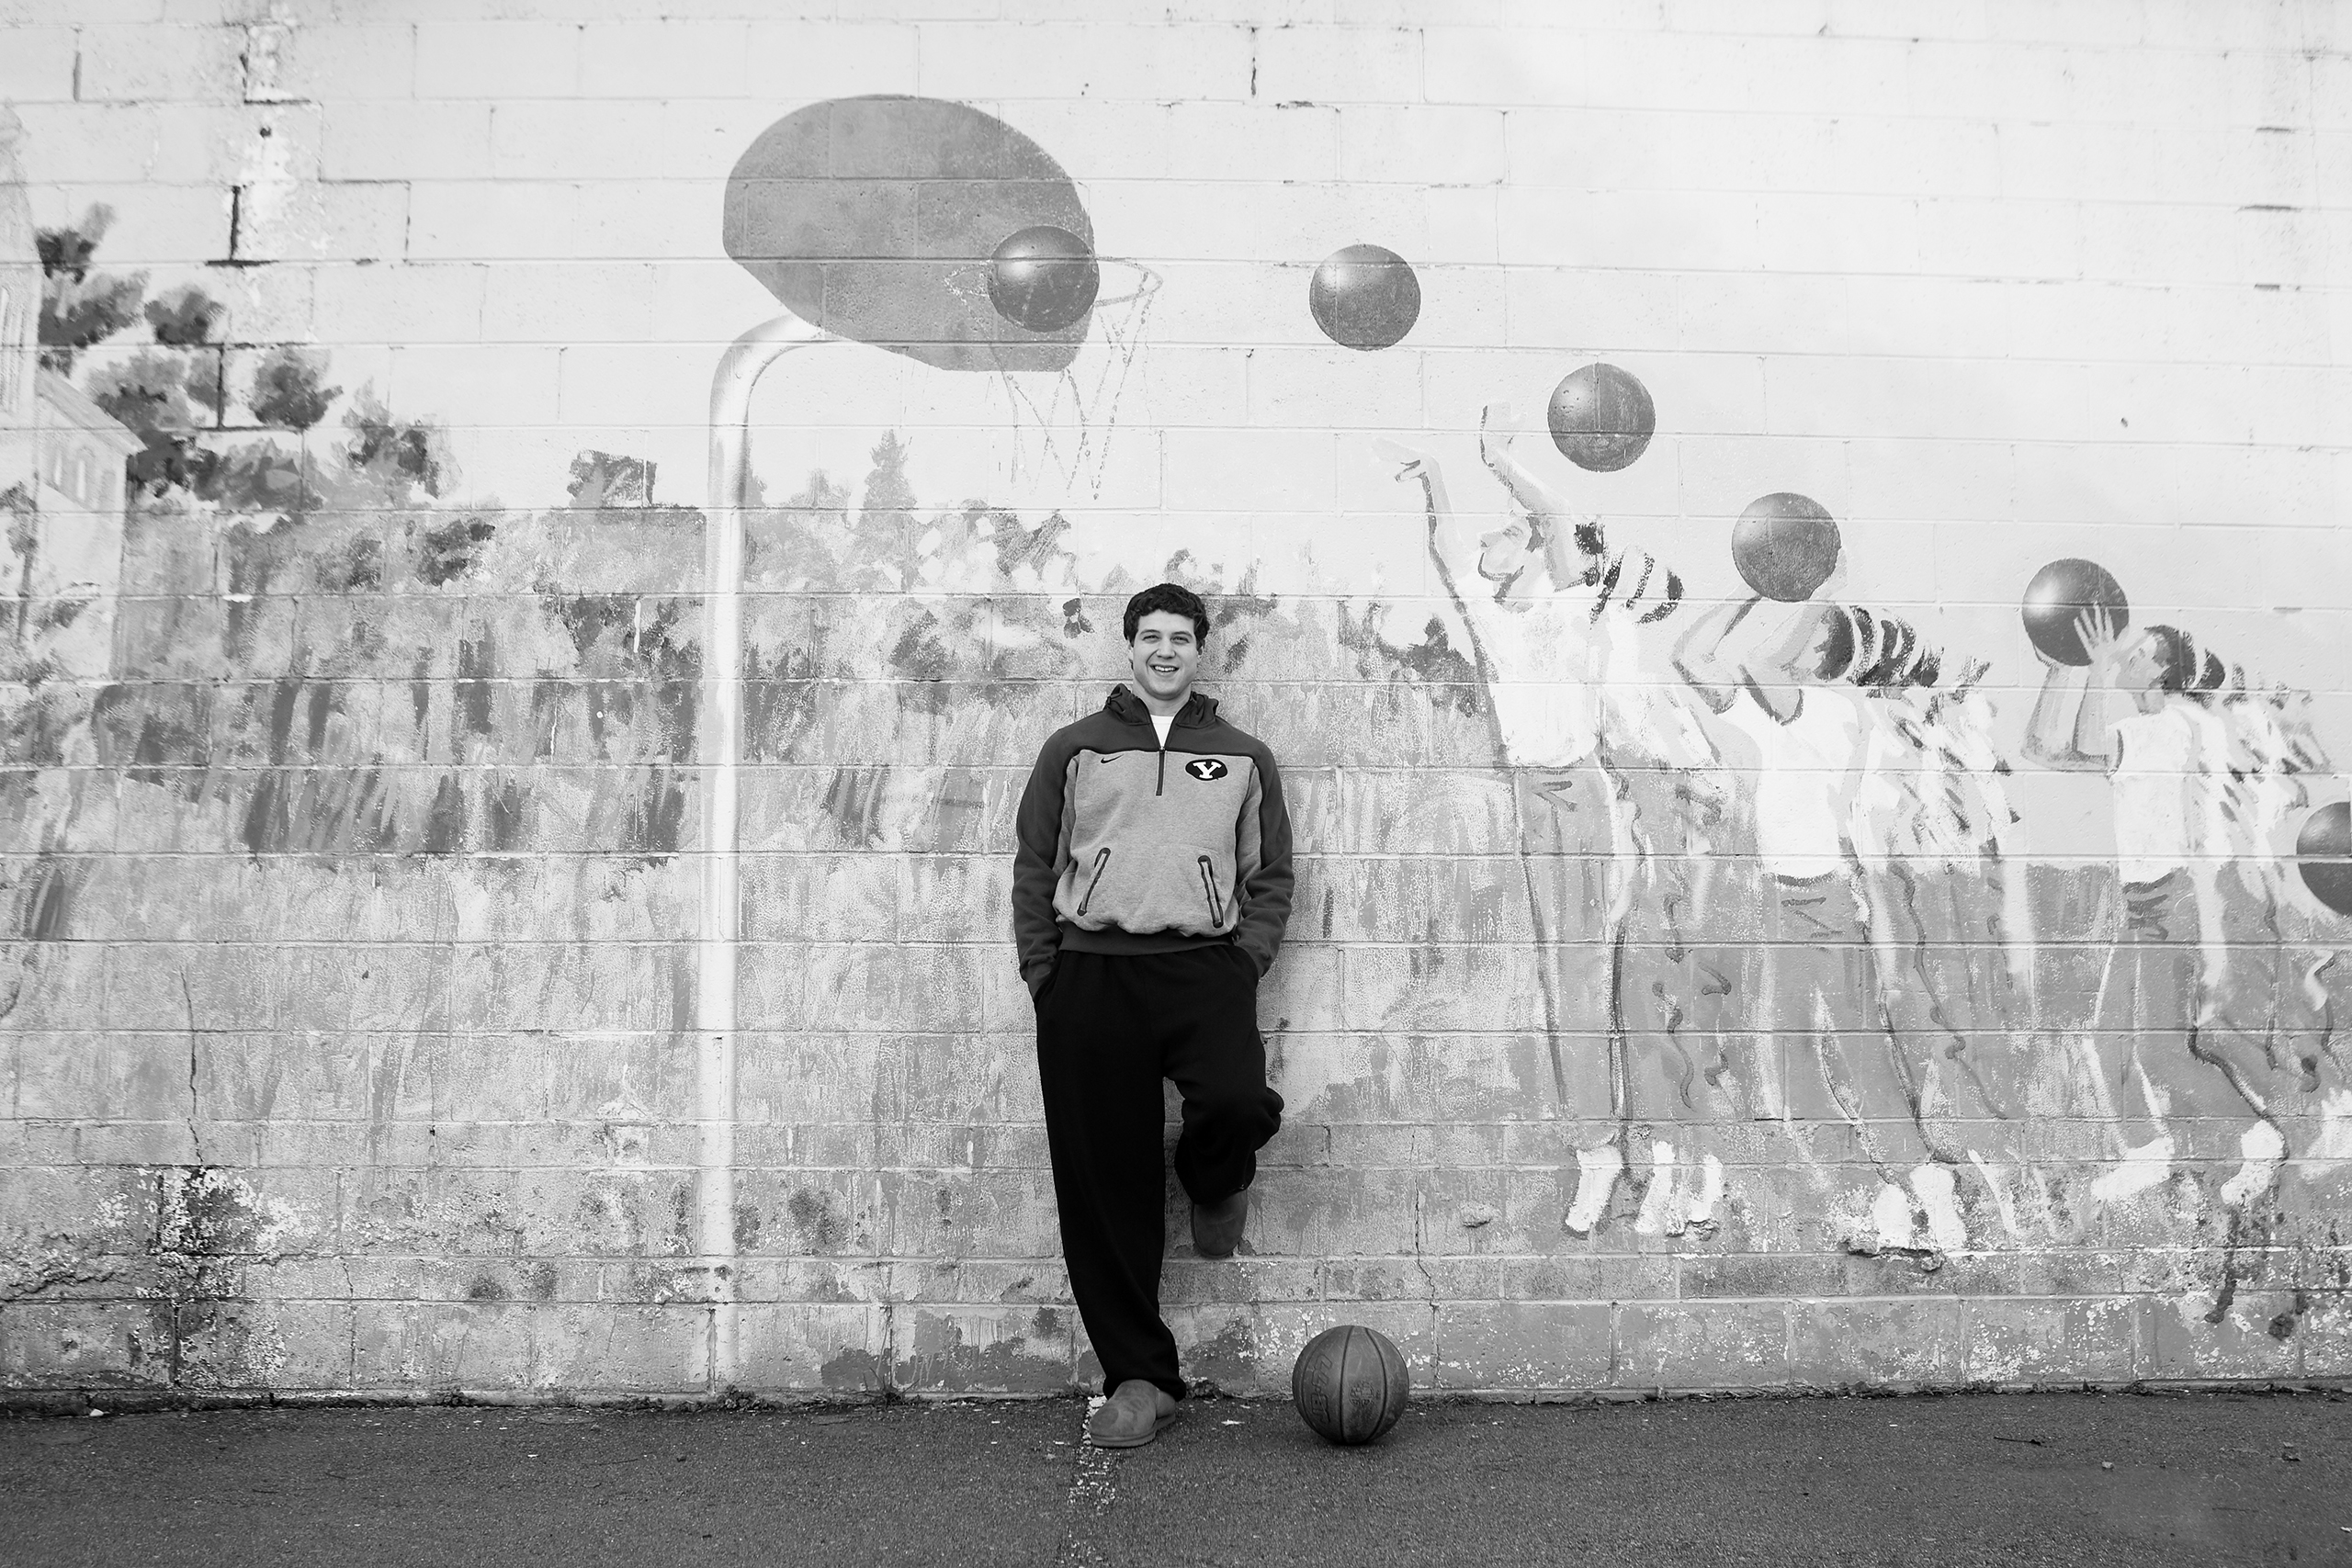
point(1206, 768)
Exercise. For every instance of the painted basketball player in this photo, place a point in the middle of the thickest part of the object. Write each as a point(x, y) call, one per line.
point(1553, 619)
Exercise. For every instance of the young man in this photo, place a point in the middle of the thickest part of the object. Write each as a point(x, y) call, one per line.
point(1150, 892)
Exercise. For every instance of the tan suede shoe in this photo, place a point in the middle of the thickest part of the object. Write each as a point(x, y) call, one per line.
point(1217, 1227)
point(1131, 1417)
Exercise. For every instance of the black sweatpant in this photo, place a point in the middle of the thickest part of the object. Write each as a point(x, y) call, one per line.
point(1109, 1028)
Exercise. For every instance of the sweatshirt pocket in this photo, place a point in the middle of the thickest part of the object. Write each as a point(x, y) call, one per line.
point(1147, 887)
point(1208, 891)
point(1102, 864)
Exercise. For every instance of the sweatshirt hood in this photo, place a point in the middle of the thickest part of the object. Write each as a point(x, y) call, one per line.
point(1198, 713)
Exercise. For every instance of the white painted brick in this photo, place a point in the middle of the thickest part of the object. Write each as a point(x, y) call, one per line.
point(1213, 473)
point(2138, 242)
point(1767, 312)
point(1587, 148)
point(239, 144)
point(666, 59)
point(1008, 63)
point(2257, 87)
point(497, 59)
point(153, 224)
point(406, 141)
point(477, 220)
point(1420, 146)
point(2287, 247)
point(577, 140)
point(1479, 65)
point(37, 65)
point(1630, 229)
point(411, 303)
point(2248, 326)
point(1460, 226)
point(1910, 157)
point(2032, 239)
point(1294, 224)
point(1861, 77)
point(645, 219)
point(615, 383)
point(44, 12)
point(2101, 24)
point(333, 62)
point(123, 64)
point(1328, 386)
point(1803, 18)
point(1838, 233)
point(1338, 65)
point(1595, 312)
point(1261, 13)
point(568, 302)
point(355, 220)
point(705, 300)
point(1185, 141)
point(88, 141)
point(916, 10)
point(267, 304)
point(2331, 93)
point(1962, 19)
point(1928, 480)
point(789, 60)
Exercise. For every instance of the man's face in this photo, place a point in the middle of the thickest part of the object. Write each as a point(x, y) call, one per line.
point(1164, 655)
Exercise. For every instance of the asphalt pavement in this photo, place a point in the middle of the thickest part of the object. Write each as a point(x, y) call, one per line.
point(2077, 1480)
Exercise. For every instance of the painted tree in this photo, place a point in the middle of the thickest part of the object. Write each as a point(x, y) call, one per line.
point(80, 307)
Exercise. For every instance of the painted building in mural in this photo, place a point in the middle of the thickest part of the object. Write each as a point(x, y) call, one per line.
point(1796, 578)
point(61, 466)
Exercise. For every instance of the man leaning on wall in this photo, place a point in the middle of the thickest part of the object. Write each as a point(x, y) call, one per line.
point(1150, 892)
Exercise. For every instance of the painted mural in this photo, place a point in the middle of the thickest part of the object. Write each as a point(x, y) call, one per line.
point(550, 912)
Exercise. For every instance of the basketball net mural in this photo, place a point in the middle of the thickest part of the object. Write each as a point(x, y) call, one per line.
point(664, 850)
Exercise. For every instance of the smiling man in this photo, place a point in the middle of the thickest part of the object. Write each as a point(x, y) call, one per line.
point(1149, 893)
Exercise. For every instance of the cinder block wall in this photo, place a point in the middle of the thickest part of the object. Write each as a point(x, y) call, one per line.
point(367, 1019)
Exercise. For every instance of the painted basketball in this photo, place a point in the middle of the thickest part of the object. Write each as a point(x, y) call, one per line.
point(2056, 599)
point(1043, 278)
point(2324, 852)
point(1785, 545)
point(1603, 417)
point(1365, 296)
point(1350, 1383)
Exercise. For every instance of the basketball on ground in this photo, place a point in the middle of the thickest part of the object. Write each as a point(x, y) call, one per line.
point(1603, 417)
point(1350, 1383)
point(1365, 296)
point(1785, 545)
point(1043, 278)
point(2056, 599)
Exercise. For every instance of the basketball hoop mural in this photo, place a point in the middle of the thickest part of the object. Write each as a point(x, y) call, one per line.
point(920, 226)
point(929, 229)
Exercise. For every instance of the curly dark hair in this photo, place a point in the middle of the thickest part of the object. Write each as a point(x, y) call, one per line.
point(2187, 668)
point(1174, 599)
point(1866, 649)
